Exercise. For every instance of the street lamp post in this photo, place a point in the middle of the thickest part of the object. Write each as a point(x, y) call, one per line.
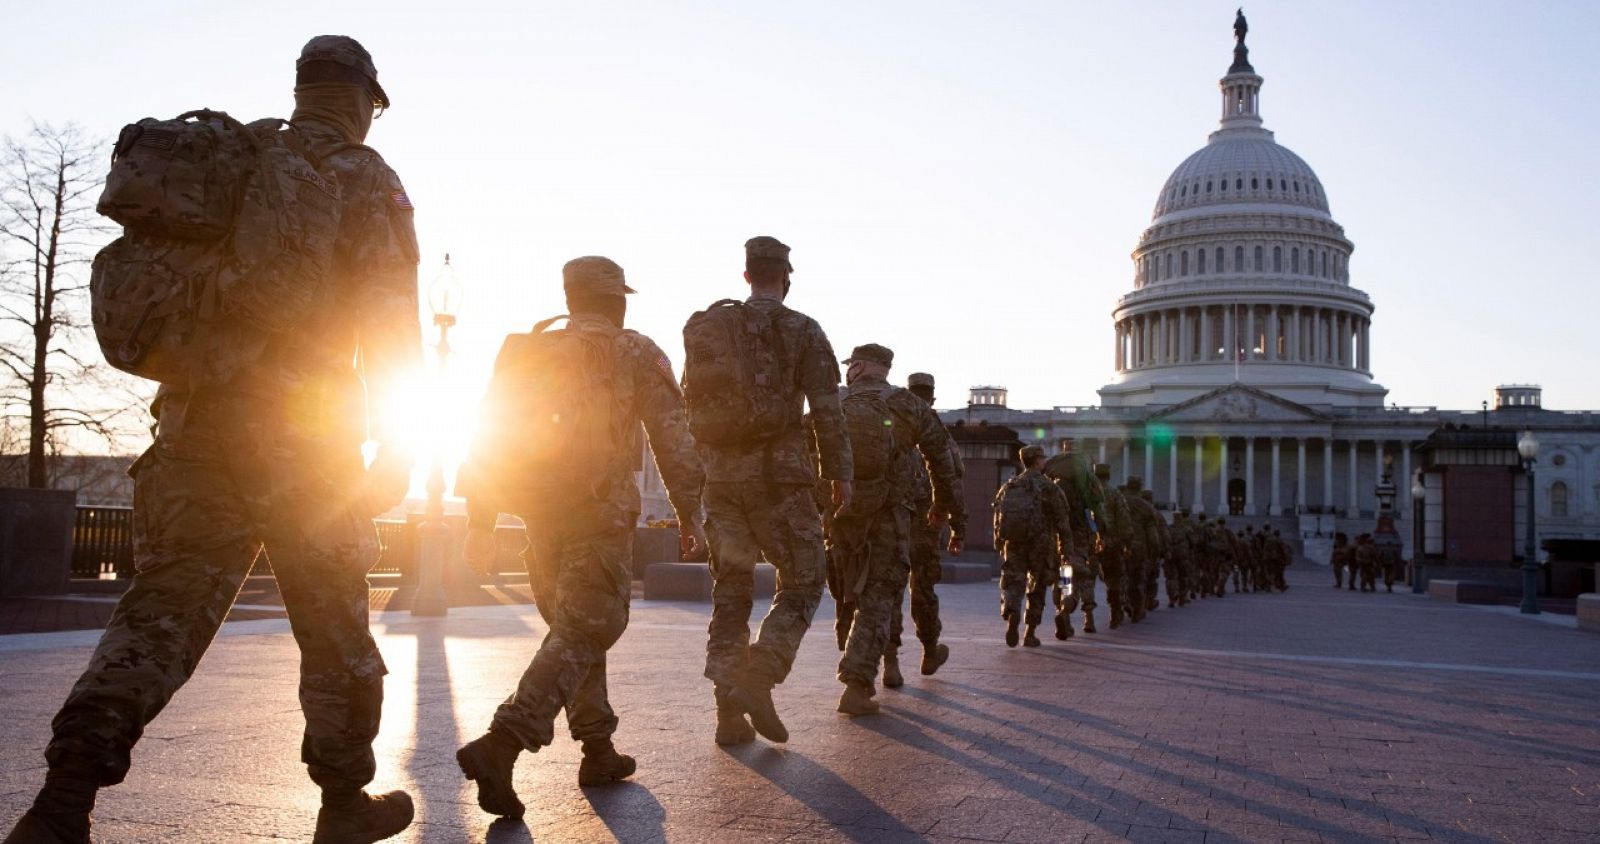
point(1528, 449)
point(433, 536)
point(1418, 493)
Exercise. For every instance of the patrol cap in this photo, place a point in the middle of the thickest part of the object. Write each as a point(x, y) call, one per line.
point(1135, 483)
point(593, 275)
point(345, 52)
point(871, 353)
point(919, 379)
point(1102, 471)
point(1030, 453)
point(1147, 494)
point(766, 246)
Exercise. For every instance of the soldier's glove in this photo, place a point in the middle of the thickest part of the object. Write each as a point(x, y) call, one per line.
point(480, 550)
point(956, 544)
point(388, 479)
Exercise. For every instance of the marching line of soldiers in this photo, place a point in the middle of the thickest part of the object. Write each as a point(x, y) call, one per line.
point(1365, 560)
point(1062, 520)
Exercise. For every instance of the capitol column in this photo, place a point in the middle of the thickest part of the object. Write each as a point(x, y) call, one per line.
point(1366, 345)
point(1205, 334)
point(1274, 504)
point(1184, 341)
point(1378, 475)
point(1403, 483)
point(1127, 459)
point(1327, 473)
point(1149, 464)
point(1199, 473)
point(1222, 475)
point(1117, 353)
point(1295, 355)
point(1172, 471)
point(1300, 475)
point(1272, 332)
point(1355, 491)
point(1249, 476)
point(1229, 335)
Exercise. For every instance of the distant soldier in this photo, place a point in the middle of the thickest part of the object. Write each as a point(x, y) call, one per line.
point(751, 368)
point(1117, 547)
point(1149, 547)
point(1250, 558)
point(1205, 557)
point(892, 433)
point(1342, 561)
point(1085, 509)
point(1180, 559)
point(1031, 528)
point(265, 455)
point(557, 447)
point(1226, 546)
point(1366, 559)
point(1284, 556)
point(1161, 538)
point(926, 528)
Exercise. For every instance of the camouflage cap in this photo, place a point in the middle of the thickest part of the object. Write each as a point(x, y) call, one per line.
point(1102, 471)
point(919, 379)
point(1030, 453)
point(346, 51)
point(595, 276)
point(1135, 482)
point(871, 353)
point(766, 246)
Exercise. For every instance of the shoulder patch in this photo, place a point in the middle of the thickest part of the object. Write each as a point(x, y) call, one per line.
point(402, 201)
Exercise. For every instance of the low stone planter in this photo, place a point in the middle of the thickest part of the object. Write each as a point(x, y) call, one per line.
point(1463, 592)
point(1589, 612)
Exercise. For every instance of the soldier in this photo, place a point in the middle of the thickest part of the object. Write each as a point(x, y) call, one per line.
point(1145, 548)
point(1366, 562)
point(1030, 528)
point(1284, 556)
point(1180, 560)
point(1205, 558)
point(751, 367)
point(241, 465)
point(1342, 561)
point(1224, 549)
point(926, 528)
point(891, 432)
point(1249, 559)
point(1158, 540)
point(575, 492)
point(1113, 558)
point(1085, 504)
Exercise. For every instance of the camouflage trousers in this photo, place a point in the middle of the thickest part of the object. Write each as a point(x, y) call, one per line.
point(1113, 566)
point(925, 574)
point(1152, 583)
point(582, 581)
point(1178, 576)
point(746, 521)
point(203, 507)
point(875, 552)
point(1134, 566)
point(1027, 570)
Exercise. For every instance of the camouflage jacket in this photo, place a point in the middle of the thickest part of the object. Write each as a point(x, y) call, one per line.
point(1052, 503)
point(1149, 537)
point(1116, 534)
point(647, 392)
point(812, 373)
point(1086, 502)
point(918, 428)
point(334, 380)
point(922, 498)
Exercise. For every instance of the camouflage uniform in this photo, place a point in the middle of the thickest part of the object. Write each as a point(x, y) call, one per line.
point(580, 549)
point(869, 542)
point(1150, 535)
point(1085, 508)
point(271, 459)
point(1366, 561)
point(1028, 566)
point(1343, 561)
point(925, 569)
point(1124, 591)
point(1180, 559)
point(758, 502)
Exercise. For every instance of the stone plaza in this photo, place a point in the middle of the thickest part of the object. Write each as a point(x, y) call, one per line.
point(1309, 715)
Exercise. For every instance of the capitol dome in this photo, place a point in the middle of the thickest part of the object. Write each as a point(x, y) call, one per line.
point(1243, 276)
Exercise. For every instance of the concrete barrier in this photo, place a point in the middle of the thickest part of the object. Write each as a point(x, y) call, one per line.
point(1589, 611)
point(1463, 592)
point(692, 581)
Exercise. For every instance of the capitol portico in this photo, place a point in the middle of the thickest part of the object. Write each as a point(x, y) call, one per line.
point(1244, 366)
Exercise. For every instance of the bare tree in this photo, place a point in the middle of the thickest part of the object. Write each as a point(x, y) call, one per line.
point(56, 385)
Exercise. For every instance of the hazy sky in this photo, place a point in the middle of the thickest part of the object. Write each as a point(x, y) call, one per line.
point(962, 182)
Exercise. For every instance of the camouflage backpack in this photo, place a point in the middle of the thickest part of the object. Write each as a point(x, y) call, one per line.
point(871, 427)
point(1018, 513)
point(733, 376)
point(549, 427)
point(228, 233)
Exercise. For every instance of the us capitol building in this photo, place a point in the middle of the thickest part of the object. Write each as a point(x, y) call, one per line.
point(1244, 369)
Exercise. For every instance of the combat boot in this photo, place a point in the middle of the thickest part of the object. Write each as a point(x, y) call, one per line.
point(1063, 627)
point(1030, 640)
point(754, 696)
point(362, 818)
point(1088, 621)
point(934, 656)
point(892, 678)
point(603, 765)
point(1116, 618)
point(489, 761)
point(732, 728)
point(857, 700)
point(1012, 622)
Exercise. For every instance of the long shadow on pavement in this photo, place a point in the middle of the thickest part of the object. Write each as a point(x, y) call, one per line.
point(629, 810)
point(853, 814)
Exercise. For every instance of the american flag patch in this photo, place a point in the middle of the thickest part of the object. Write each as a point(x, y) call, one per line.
point(402, 200)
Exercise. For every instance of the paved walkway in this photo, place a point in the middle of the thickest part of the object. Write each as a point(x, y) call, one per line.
point(1312, 715)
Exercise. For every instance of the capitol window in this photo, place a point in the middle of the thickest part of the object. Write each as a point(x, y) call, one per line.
point(1169, 266)
point(1238, 184)
point(1558, 500)
point(1199, 262)
point(1294, 260)
point(1258, 259)
point(1183, 263)
point(1219, 259)
point(1238, 259)
point(1269, 183)
point(1277, 259)
point(1208, 187)
point(1255, 184)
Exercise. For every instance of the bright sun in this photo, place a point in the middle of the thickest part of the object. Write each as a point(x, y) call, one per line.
point(435, 417)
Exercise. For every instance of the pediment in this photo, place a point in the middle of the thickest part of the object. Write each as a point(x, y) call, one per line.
point(1238, 403)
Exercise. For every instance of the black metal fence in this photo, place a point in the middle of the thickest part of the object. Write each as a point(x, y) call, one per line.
point(102, 543)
